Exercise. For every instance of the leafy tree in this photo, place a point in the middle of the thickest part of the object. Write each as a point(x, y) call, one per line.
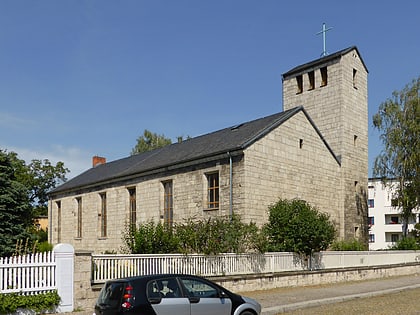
point(40, 176)
point(149, 141)
point(15, 208)
point(23, 195)
point(296, 226)
point(398, 121)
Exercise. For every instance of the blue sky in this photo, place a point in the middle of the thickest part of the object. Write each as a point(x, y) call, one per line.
point(85, 78)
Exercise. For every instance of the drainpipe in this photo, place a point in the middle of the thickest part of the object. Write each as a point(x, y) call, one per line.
point(230, 187)
point(50, 217)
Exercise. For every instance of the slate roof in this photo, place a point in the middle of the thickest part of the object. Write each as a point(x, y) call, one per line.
point(232, 139)
point(322, 60)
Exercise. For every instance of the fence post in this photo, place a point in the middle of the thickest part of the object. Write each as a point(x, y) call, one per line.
point(64, 275)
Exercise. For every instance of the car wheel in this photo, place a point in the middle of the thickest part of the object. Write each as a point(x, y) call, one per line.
point(247, 313)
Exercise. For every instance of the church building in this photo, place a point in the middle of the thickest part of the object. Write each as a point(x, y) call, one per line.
point(315, 150)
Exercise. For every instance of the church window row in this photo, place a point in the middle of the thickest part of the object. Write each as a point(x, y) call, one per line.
point(311, 80)
point(212, 203)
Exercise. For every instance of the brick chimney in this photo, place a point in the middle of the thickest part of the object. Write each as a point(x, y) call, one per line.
point(98, 160)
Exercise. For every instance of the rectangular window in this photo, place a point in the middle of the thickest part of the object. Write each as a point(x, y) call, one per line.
point(371, 203)
point(394, 220)
point(355, 78)
point(394, 238)
point(168, 214)
point(103, 215)
point(213, 190)
point(371, 238)
point(58, 203)
point(311, 78)
point(79, 217)
point(299, 83)
point(324, 76)
point(132, 207)
point(371, 221)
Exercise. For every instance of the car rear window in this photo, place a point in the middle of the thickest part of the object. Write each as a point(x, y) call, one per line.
point(111, 295)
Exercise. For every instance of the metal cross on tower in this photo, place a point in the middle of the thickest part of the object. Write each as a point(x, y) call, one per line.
point(324, 30)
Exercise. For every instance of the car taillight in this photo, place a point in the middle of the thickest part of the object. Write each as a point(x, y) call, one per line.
point(127, 297)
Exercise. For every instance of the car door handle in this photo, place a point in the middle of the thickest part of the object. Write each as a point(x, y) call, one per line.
point(194, 299)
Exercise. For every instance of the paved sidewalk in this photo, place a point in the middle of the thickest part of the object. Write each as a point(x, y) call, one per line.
point(281, 300)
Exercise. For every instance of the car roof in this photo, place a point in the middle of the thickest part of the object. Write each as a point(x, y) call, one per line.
point(154, 276)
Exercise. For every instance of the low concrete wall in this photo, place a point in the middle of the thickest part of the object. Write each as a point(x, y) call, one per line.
point(316, 277)
point(85, 294)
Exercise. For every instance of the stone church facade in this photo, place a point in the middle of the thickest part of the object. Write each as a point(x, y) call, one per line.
point(316, 150)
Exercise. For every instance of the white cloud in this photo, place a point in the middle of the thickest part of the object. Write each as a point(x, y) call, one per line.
point(12, 121)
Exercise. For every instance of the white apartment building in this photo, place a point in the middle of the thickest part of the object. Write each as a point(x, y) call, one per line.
point(385, 224)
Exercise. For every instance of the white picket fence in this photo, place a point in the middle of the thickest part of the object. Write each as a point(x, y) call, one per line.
point(29, 274)
point(107, 267)
point(39, 273)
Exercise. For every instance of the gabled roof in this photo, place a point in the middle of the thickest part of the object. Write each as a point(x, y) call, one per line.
point(199, 149)
point(322, 60)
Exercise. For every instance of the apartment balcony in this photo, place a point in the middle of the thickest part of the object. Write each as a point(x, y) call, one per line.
point(393, 227)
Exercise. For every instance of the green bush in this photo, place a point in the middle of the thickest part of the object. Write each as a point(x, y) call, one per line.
point(406, 243)
point(39, 303)
point(210, 237)
point(349, 245)
point(150, 238)
point(296, 226)
point(219, 235)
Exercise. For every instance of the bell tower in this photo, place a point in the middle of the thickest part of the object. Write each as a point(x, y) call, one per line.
point(333, 91)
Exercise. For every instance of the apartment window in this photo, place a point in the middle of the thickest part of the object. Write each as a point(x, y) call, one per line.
point(394, 220)
point(213, 190)
point(324, 76)
point(371, 238)
point(299, 83)
point(168, 214)
point(371, 203)
point(311, 78)
point(355, 78)
point(394, 238)
point(58, 204)
point(132, 207)
point(371, 221)
point(79, 217)
point(103, 215)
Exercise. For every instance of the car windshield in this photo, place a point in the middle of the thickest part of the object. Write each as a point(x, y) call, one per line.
point(111, 294)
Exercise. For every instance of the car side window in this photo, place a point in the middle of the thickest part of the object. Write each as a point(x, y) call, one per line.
point(154, 289)
point(197, 288)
